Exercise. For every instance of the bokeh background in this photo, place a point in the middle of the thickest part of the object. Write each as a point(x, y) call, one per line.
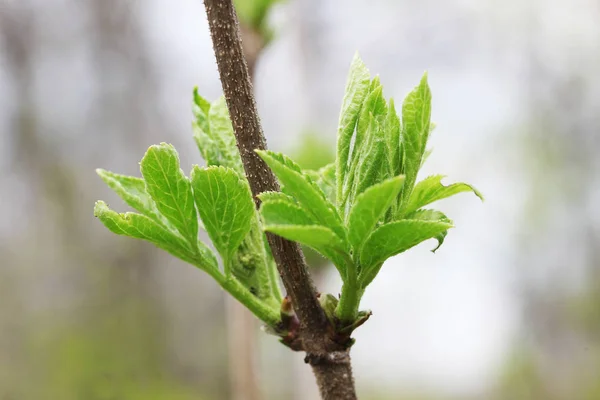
point(509, 308)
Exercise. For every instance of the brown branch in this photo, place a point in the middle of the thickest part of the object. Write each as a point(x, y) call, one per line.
point(330, 361)
point(241, 323)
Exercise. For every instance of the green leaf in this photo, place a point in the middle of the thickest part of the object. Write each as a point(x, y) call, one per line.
point(432, 215)
point(200, 110)
point(392, 135)
point(222, 132)
point(315, 236)
point(397, 237)
point(325, 178)
point(250, 264)
point(431, 189)
point(133, 191)
point(375, 106)
point(320, 238)
point(371, 162)
point(416, 116)
point(275, 196)
point(225, 205)
point(284, 213)
point(141, 227)
point(368, 158)
point(357, 86)
point(369, 208)
point(304, 190)
point(214, 135)
point(170, 189)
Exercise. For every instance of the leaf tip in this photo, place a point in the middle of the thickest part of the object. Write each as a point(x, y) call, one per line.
point(156, 149)
point(100, 207)
point(478, 194)
point(264, 154)
point(356, 59)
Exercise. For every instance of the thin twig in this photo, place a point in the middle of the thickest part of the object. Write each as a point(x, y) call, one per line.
point(241, 323)
point(330, 361)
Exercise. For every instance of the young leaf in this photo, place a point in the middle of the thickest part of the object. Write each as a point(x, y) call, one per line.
point(416, 115)
point(170, 189)
point(225, 205)
point(200, 110)
point(432, 215)
point(371, 162)
point(325, 179)
point(396, 237)
point(304, 191)
point(315, 236)
point(431, 189)
point(214, 136)
point(250, 266)
point(357, 87)
point(320, 238)
point(392, 135)
point(284, 213)
point(133, 191)
point(201, 130)
point(369, 133)
point(282, 216)
point(141, 227)
point(276, 196)
point(374, 106)
point(222, 132)
point(369, 207)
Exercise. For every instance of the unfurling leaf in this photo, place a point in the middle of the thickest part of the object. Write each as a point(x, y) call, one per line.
point(276, 196)
point(133, 191)
point(357, 87)
point(213, 133)
point(170, 189)
point(304, 190)
point(392, 136)
point(368, 151)
point(284, 213)
point(290, 221)
point(416, 115)
point(369, 208)
point(372, 161)
point(141, 227)
point(431, 189)
point(319, 238)
point(396, 237)
point(432, 215)
point(225, 206)
point(373, 107)
point(325, 179)
point(315, 236)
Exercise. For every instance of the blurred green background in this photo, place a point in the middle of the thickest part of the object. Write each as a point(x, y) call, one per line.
point(509, 308)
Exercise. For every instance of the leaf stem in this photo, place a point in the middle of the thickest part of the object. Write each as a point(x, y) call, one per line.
point(264, 312)
point(347, 308)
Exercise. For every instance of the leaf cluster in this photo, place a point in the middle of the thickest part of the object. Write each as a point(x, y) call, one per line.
point(172, 209)
point(367, 206)
point(358, 211)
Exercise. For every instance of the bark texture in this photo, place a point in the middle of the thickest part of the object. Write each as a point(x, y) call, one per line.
point(330, 360)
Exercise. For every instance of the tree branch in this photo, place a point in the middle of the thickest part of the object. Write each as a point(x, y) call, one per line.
point(330, 360)
point(249, 136)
